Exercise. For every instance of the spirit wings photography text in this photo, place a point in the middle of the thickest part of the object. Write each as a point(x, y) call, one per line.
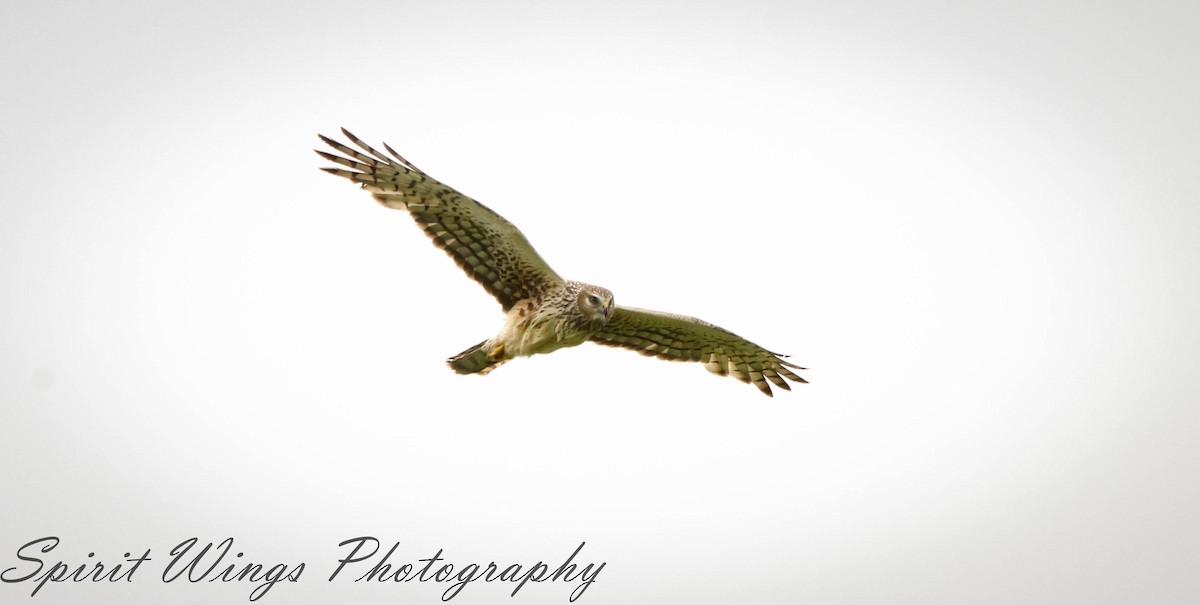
point(361, 559)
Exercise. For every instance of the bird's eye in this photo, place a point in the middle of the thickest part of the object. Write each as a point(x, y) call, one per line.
point(595, 300)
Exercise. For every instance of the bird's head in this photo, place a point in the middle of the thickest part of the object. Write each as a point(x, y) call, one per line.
point(595, 303)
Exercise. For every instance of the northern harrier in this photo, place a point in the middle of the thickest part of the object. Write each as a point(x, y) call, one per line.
point(544, 312)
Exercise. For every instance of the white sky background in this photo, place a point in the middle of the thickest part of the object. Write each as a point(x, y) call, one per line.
point(976, 224)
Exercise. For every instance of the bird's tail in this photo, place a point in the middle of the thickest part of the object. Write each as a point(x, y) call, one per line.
point(475, 360)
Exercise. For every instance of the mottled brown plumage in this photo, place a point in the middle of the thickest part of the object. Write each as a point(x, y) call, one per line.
point(543, 311)
point(680, 338)
point(485, 245)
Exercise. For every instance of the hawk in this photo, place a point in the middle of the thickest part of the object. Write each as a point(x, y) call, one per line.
point(543, 312)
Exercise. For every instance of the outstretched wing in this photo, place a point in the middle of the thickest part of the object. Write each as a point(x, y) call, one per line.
point(680, 338)
point(490, 249)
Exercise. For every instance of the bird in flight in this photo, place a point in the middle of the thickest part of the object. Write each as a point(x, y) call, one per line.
point(543, 312)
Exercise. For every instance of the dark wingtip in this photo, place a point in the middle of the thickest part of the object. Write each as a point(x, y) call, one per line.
point(356, 140)
point(346, 174)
